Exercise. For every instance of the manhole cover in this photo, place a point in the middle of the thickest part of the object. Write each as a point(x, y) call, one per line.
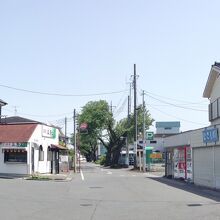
point(193, 205)
point(95, 187)
point(85, 205)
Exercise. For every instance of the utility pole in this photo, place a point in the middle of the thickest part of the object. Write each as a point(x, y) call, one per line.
point(144, 141)
point(128, 111)
point(65, 130)
point(111, 107)
point(135, 115)
point(74, 132)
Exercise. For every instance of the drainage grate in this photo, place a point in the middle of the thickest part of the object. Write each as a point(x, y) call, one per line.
point(194, 205)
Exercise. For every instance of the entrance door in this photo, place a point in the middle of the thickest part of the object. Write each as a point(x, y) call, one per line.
point(32, 160)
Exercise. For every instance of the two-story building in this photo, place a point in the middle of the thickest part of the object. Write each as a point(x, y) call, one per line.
point(194, 155)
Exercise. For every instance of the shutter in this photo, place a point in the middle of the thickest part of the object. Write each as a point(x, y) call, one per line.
point(203, 166)
point(217, 166)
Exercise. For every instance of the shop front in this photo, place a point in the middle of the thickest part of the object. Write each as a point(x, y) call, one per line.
point(14, 158)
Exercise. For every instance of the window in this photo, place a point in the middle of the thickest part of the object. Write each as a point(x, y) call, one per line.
point(153, 142)
point(49, 154)
point(41, 153)
point(15, 157)
point(167, 128)
point(214, 110)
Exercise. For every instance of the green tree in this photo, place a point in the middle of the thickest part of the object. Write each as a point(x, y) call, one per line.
point(103, 127)
point(96, 114)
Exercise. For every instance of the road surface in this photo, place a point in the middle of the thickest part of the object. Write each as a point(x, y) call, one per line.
point(106, 194)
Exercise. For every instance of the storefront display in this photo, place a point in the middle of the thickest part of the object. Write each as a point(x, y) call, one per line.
point(183, 163)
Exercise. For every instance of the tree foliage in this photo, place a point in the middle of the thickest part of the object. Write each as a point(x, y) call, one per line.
point(103, 128)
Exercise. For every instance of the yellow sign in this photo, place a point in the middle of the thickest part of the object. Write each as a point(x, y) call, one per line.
point(156, 156)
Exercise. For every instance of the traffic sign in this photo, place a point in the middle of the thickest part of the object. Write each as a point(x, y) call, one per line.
point(149, 135)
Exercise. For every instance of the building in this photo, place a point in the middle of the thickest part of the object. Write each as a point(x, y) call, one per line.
point(194, 155)
point(163, 129)
point(28, 146)
point(167, 127)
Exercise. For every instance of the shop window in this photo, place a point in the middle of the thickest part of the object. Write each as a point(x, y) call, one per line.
point(15, 157)
point(41, 153)
point(49, 154)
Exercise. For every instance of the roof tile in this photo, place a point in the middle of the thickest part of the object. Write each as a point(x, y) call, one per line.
point(16, 133)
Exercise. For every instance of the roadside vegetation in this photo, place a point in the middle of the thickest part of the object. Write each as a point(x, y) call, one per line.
point(103, 128)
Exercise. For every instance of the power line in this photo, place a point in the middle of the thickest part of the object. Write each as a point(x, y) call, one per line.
point(176, 117)
point(59, 94)
point(55, 115)
point(178, 100)
point(178, 106)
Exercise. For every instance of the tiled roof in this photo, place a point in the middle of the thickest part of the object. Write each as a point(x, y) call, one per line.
point(19, 120)
point(16, 133)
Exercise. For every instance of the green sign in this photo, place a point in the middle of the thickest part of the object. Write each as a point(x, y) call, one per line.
point(53, 133)
point(149, 135)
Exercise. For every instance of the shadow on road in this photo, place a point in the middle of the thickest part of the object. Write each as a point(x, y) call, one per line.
point(190, 187)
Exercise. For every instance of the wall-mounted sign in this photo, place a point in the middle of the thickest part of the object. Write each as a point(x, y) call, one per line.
point(18, 144)
point(156, 156)
point(210, 135)
point(149, 135)
point(48, 132)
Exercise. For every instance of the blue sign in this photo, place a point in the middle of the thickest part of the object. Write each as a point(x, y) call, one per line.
point(210, 135)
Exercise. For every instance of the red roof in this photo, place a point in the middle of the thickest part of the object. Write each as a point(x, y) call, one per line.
point(16, 133)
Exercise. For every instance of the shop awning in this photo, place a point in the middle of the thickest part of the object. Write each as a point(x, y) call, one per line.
point(58, 147)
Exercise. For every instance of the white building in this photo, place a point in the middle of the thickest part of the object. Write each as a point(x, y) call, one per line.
point(27, 148)
point(194, 155)
point(163, 129)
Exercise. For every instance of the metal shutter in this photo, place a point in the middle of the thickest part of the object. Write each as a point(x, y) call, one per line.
point(203, 166)
point(217, 166)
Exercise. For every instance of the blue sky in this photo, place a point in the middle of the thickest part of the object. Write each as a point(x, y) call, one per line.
point(87, 47)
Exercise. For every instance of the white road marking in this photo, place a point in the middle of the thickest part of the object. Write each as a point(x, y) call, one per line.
point(82, 176)
point(109, 172)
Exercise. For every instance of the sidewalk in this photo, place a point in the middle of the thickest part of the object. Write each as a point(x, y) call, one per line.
point(67, 176)
point(54, 177)
point(210, 193)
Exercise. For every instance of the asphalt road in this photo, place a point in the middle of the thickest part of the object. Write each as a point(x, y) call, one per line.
point(104, 194)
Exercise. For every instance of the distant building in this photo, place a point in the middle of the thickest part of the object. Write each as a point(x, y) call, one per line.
point(163, 129)
point(167, 127)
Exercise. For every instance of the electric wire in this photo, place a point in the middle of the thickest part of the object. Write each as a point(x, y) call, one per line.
point(177, 100)
point(59, 94)
point(175, 105)
point(176, 117)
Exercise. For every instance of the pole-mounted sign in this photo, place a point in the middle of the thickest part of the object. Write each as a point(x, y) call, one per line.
point(83, 128)
point(149, 135)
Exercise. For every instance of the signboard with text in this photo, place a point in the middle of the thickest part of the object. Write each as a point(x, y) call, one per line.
point(210, 135)
point(48, 132)
point(17, 144)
